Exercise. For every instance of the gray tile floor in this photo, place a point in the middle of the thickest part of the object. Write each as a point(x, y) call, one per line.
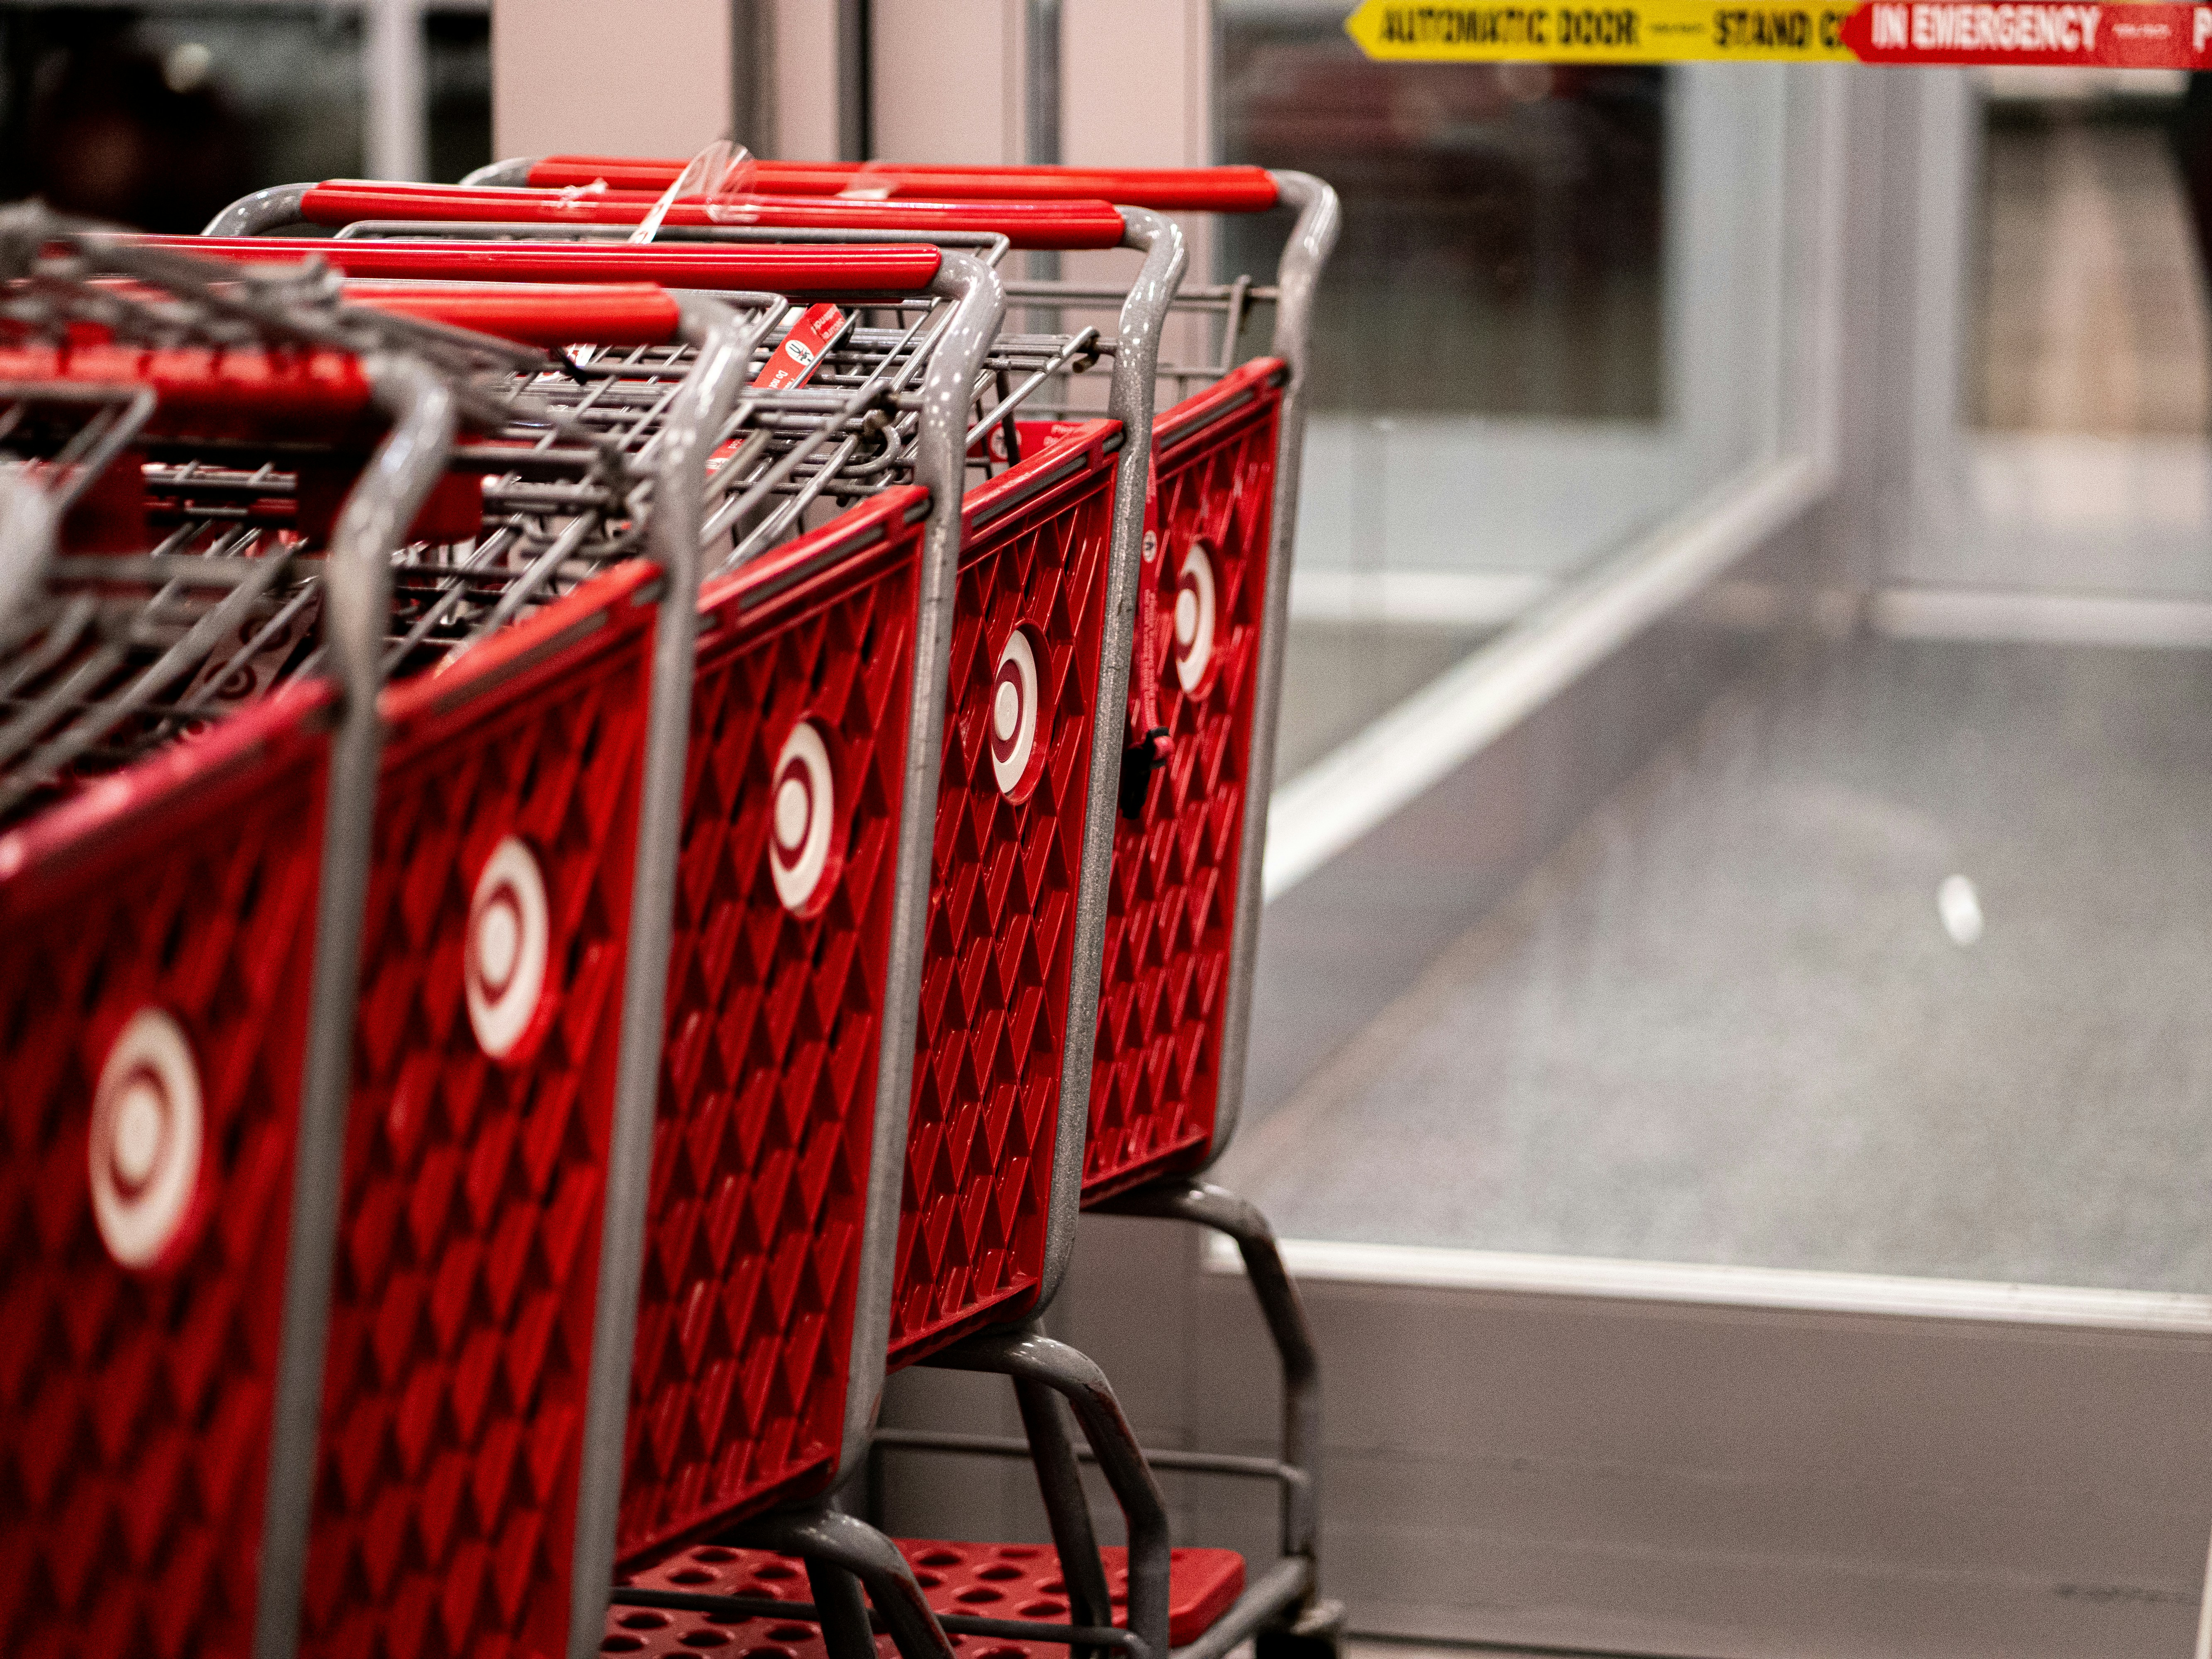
point(1725, 1023)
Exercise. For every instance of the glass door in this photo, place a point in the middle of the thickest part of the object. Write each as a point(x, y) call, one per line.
point(1757, 1212)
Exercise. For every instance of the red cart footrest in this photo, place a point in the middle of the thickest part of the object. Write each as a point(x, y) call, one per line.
point(987, 1580)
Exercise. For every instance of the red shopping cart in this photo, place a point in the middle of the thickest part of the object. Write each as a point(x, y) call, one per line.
point(390, 1438)
point(975, 1241)
point(1176, 984)
point(785, 989)
point(1174, 1001)
point(762, 1211)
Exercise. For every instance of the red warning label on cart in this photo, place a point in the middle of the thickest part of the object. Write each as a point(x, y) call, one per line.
point(793, 362)
point(2056, 33)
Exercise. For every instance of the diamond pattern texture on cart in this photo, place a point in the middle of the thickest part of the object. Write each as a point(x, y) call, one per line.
point(767, 1093)
point(987, 1580)
point(1001, 921)
point(134, 1408)
point(1155, 1074)
point(467, 1256)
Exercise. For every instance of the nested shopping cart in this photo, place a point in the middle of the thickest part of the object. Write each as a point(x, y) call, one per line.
point(167, 962)
point(1176, 996)
point(800, 904)
point(304, 1359)
point(1182, 939)
point(1176, 982)
point(1175, 1000)
point(1013, 814)
point(977, 1241)
point(952, 1278)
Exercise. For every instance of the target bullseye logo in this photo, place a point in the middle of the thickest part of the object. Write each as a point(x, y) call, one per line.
point(149, 1130)
point(802, 821)
point(1194, 617)
point(509, 948)
point(1017, 756)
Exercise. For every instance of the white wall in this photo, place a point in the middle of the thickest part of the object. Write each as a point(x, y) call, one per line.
point(948, 81)
point(805, 42)
point(1136, 90)
point(655, 77)
point(1136, 83)
point(646, 77)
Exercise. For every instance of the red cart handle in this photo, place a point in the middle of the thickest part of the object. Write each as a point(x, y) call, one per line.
point(534, 314)
point(1168, 190)
point(877, 268)
point(209, 392)
point(1028, 224)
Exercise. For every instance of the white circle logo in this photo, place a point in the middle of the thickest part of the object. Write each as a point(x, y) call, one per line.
point(802, 811)
point(1194, 617)
point(1014, 698)
point(148, 1130)
point(510, 943)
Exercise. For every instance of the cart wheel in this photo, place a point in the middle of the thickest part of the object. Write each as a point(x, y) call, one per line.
point(1318, 1634)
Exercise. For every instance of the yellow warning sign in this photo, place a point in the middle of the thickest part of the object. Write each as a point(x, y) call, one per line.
point(2054, 32)
point(1623, 32)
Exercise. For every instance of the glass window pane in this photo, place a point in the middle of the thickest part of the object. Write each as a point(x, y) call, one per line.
point(1551, 319)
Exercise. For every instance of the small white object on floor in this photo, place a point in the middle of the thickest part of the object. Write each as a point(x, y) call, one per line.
point(1960, 908)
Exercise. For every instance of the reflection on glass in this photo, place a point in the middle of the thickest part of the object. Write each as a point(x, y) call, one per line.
point(1549, 321)
point(2090, 308)
point(1500, 253)
point(2085, 383)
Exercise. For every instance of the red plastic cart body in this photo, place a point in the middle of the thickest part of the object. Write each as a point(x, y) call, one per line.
point(461, 1310)
point(739, 1385)
point(135, 1406)
point(1007, 862)
point(768, 1086)
point(1155, 1072)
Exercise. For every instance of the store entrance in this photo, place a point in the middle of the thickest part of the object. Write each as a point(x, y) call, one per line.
point(1764, 1219)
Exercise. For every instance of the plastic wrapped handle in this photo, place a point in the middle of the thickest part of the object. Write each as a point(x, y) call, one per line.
point(891, 268)
point(1028, 224)
point(1168, 190)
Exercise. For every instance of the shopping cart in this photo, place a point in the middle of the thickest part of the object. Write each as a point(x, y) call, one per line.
point(1176, 997)
point(239, 1423)
point(171, 942)
point(1033, 569)
point(364, 207)
point(790, 984)
point(997, 1171)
